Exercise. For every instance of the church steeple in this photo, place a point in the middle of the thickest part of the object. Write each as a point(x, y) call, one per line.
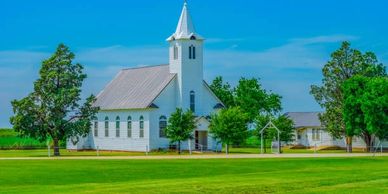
point(185, 28)
point(186, 61)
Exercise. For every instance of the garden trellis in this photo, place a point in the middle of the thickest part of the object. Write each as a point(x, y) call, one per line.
point(269, 125)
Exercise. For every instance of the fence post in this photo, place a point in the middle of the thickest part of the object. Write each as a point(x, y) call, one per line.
point(190, 146)
point(98, 151)
point(381, 147)
point(146, 150)
point(315, 148)
point(48, 148)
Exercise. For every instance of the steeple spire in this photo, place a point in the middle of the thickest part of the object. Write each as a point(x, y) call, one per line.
point(185, 28)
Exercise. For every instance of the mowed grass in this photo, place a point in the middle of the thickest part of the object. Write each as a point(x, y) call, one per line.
point(303, 175)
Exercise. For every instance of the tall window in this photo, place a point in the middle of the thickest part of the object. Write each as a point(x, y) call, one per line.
point(191, 52)
point(175, 52)
point(192, 101)
point(117, 126)
point(316, 136)
point(129, 126)
point(162, 126)
point(141, 126)
point(106, 126)
point(95, 127)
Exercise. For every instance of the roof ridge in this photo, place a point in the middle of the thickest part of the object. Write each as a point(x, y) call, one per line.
point(147, 66)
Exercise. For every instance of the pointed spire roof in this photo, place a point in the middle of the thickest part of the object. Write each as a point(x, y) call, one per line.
point(185, 28)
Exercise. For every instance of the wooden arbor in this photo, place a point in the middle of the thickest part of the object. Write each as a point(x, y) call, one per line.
point(269, 125)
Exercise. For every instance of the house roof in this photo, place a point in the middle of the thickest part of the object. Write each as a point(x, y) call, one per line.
point(135, 88)
point(305, 119)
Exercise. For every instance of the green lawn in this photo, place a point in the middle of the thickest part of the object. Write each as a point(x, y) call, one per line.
point(307, 175)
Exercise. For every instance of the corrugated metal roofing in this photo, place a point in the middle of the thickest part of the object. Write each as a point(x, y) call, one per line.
point(134, 88)
point(305, 119)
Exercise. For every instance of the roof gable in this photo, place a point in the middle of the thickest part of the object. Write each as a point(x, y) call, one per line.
point(134, 88)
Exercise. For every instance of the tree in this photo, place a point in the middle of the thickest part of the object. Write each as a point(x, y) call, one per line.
point(229, 126)
point(366, 108)
point(180, 127)
point(223, 91)
point(375, 107)
point(345, 63)
point(254, 100)
point(52, 110)
point(353, 90)
point(282, 122)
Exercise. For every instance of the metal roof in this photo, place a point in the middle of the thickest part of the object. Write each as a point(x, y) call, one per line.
point(305, 119)
point(134, 88)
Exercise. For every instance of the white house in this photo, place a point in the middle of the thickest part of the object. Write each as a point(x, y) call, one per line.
point(137, 103)
point(310, 132)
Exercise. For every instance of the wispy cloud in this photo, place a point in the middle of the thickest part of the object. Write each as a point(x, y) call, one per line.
point(288, 69)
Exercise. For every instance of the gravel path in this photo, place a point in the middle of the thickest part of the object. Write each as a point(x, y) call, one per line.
point(212, 156)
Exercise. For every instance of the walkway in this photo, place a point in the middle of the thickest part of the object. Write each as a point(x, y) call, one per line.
point(213, 156)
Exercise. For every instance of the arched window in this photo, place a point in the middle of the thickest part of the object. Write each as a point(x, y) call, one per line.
point(129, 126)
point(162, 126)
point(192, 38)
point(192, 101)
point(192, 52)
point(117, 126)
point(95, 127)
point(175, 52)
point(106, 126)
point(141, 126)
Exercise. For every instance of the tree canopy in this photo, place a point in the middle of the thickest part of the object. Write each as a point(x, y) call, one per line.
point(180, 127)
point(223, 91)
point(230, 126)
point(344, 63)
point(366, 108)
point(53, 110)
point(249, 95)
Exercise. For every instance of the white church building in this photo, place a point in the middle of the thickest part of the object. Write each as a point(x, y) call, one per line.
point(136, 104)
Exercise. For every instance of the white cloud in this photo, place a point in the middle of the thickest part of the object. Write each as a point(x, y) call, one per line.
point(288, 69)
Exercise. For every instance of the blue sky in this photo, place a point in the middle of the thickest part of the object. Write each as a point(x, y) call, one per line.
point(285, 43)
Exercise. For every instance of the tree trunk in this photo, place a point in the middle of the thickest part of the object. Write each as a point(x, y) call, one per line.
point(227, 149)
point(349, 147)
point(56, 147)
point(368, 142)
point(179, 147)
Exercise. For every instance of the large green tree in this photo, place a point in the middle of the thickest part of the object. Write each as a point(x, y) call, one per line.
point(353, 91)
point(53, 110)
point(254, 100)
point(229, 126)
point(180, 127)
point(375, 107)
point(366, 108)
point(223, 91)
point(344, 63)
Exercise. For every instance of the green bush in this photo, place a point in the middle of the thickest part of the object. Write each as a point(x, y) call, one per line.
point(9, 139)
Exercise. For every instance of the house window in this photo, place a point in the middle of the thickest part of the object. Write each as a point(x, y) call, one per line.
point(175, 52)
point(141, 126)
point(95, 127)
point(192, 38)
point(299, 135)
point(192, 101)
point(129, 126)
point(316, 136)
point(162, 126)
point(117, 126)
point(106, 126)
point(191, 52)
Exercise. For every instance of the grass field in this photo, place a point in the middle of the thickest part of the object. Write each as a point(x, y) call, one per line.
point(312, 175)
